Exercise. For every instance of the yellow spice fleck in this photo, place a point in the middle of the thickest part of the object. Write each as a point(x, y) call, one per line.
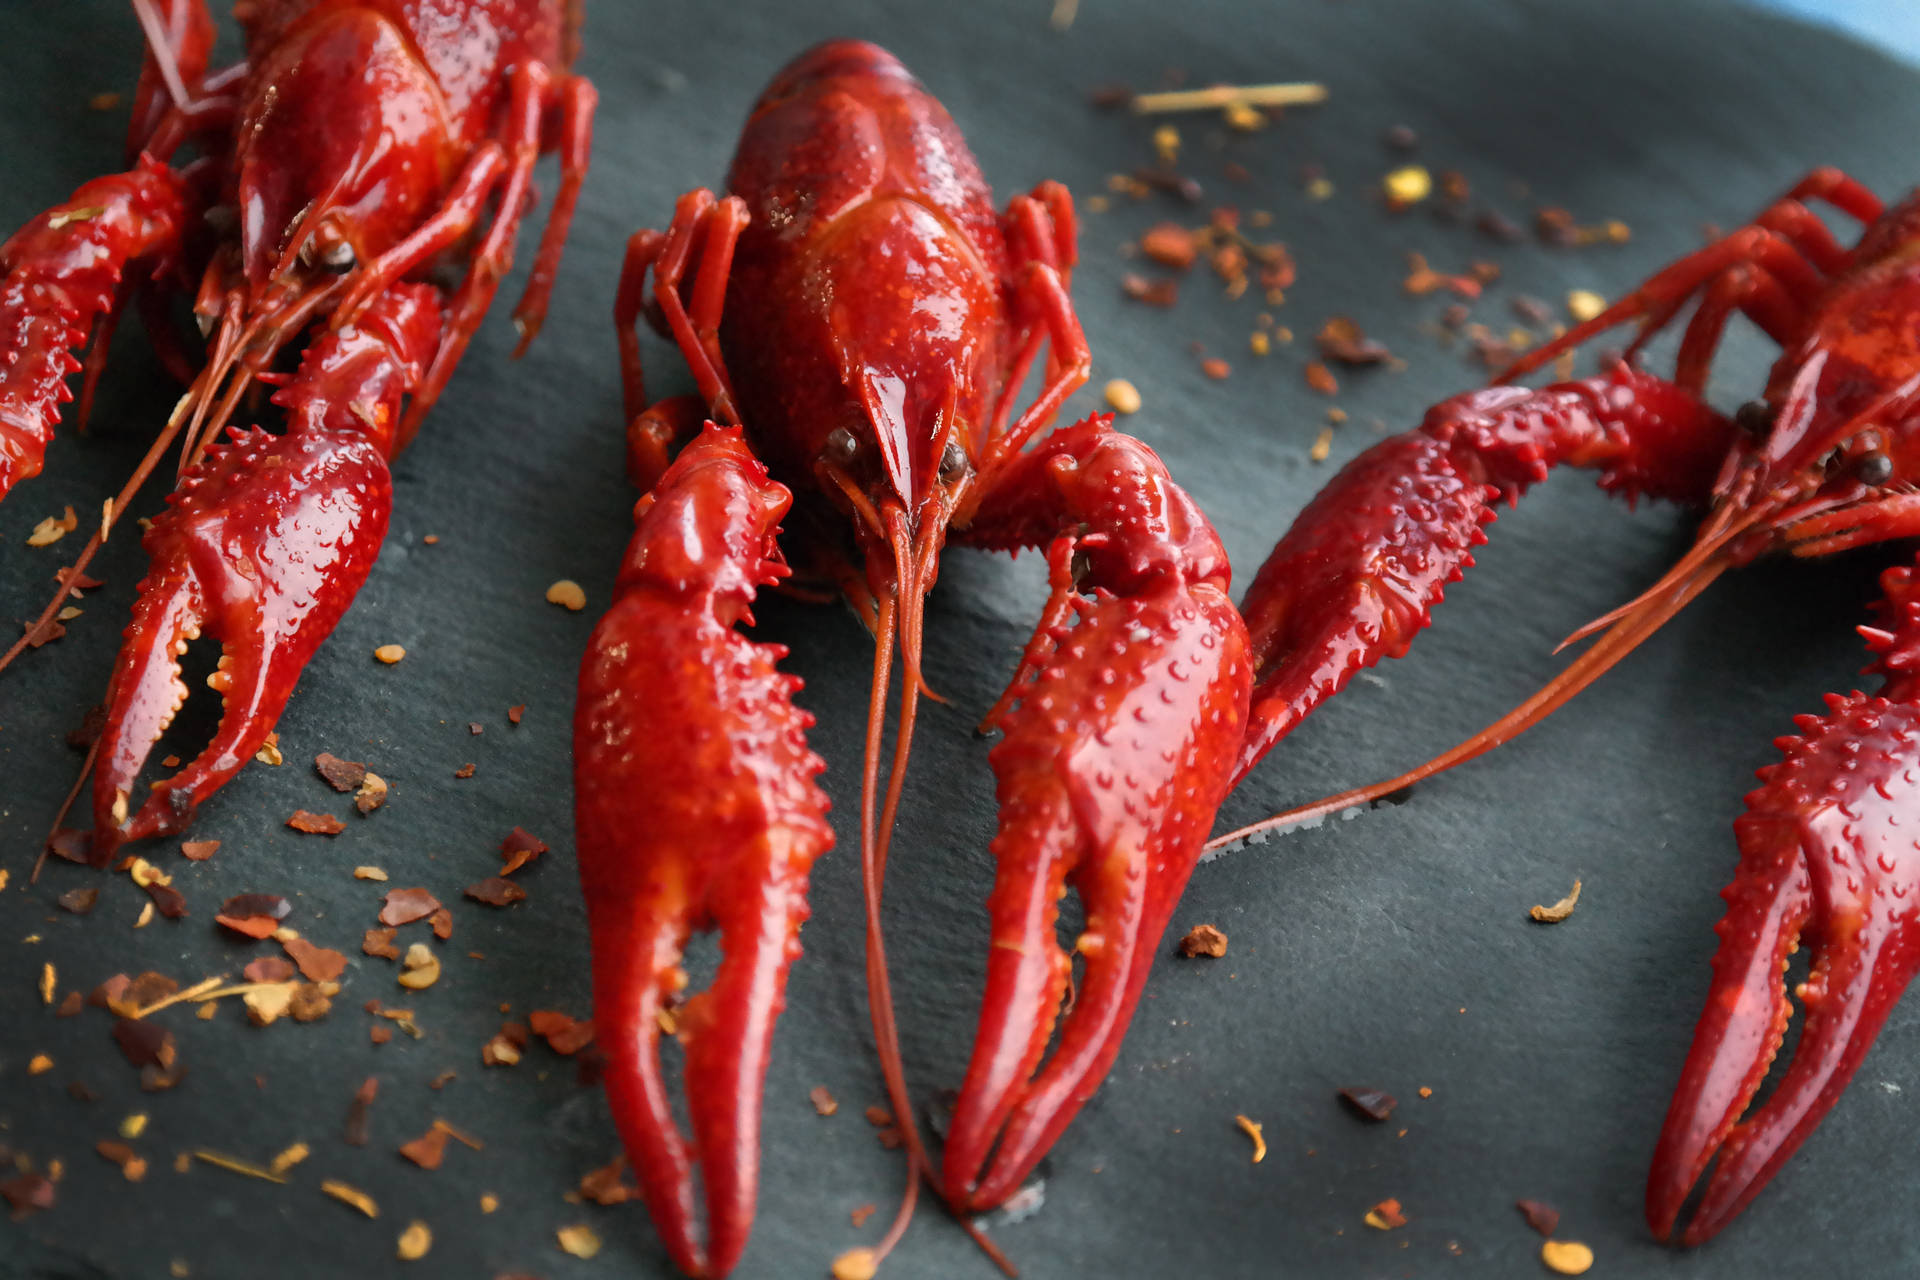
point(1123, 396)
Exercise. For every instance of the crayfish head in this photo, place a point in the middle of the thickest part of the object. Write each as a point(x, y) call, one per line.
point(342, 151)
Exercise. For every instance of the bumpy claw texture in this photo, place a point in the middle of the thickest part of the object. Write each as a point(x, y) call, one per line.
point(696, 808)
point(1130, 701)
point(262, 547)
point(62, 272)
point(1359, 572)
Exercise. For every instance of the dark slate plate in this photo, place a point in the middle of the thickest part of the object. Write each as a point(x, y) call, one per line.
point(1390, 951)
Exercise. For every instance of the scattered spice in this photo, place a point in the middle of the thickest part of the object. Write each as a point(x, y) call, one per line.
point(132, 1167)
point(369, 873)
point(134, 1125)
point(496, 891)
point(379, 942)
point(1252, 1129)
point(1584, 304)
point(292, 1156)
point(1422, 279)
point(1321, 379)
point(464, 771)
point(39, 1064)
point(1342, 339)
point(269, 752)
point(516, 713)
point(170, 902)
point(1542, 1217)
point(1170, 245)
point(580, 1240)
point(145, 1043)
point(414, 1241)
point(1155, 293)
point(500, 1051)
point(879, 1117)
point(1123, 396)
point(519, 848)
point(1374, 1104)
point(1216, 368)
point(1558, 911)
point(232, 1164)
point(79, 901)
point(49, 982)
point(489, 1202)
point(351, 1195)
point(429, 1149)
point(603, 1186)
point(1322, 445)
point(1222, 96)
point(1203, 940)
point(856, 1264)
point(568, 594)
point(824, 1103)
point(341, 775)
point(360, 1113)
point(1386, 1215)
point(316, 824)
point(1566, 1257)
point(1408, 185)
point(420, 968)
point(389, 653)
point(404, 906)
point(859, 1215)
point(319, 964)
point(564, 1035)
point(199, 850)
point(52, 529)
point(267, 1002)
point(70, 1005)
point(442, 923)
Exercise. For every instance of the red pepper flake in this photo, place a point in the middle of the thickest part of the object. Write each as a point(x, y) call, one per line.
point(45, 634)
point(341, 775)
point(475, 728)
point(515, 712)
point(496, 891)
point(199, 850)
point(380, 1033)
point(1497, 226)
point(359, 1112)
point(145, 1043)
point(1155, 293)
point(81, 582)
point(879, 1117)
point(27, 1193)
point(169, 901)
point(1341, 338)
point(79, 901)
point(404, 906)
point(379, 942)
point(1556, 226)
point(70, 1005)
point(823, 1102)
point(1542, 1217)
point(519, 848)
point(1374, 1104)
point(440, 1082)
point(1110, 97)
point(1386, 1215)
point(92, 725)
point(1423, 279)
point(316, 824)
point(1216, 368)
point(464, 771)
point(317, 964)
point(427, 1150)
point(563, 1034)
point(1170, 245)
point(269, 969)
point(442, 922)
point(603, 1186)
point(257, 915)
point(112, 994)
point(1203, 940)
point(148, 988)
point(71, 844)
point(1321, 379)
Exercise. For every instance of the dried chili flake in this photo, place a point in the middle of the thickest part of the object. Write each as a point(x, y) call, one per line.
point(1321, 379)
point(79, 901)
point(519, 848)
point(70, 1005)
point(442, 923)
point(79, 1091)
point(316, 824)
point(39, 1064)
point(1342, 339)
point(360, 1112)
point(475, 728)
point(267, 1002)
point(603, 1186)
point(879, 1117)
point(1558, 911)
point(1542, 1217)
point(404, 906)
point(824, 1103)
point(1253, 1130)
point(1203, 940)
point(145, 1043)
point(1170, 245)
point(318, 964)
point(132, 1167)
point(1497, 226)
point(517, 712)
point(380, 1033)
point(496, 891)
point(269, 969)
point(27, 1193)
point(1386, 1215)
point(199, 850)
point(1155, 293)
point(372, 793)
point(1422, 279)
point(856, 1264)
point(53, 528)
point(1374, 1104)
point(1216, 368)
point(500, 1051)
point(169, 901)
point(269, 752)
point(112, 995)
point(379, 942)
point(564, 1035)
point(464, 771)
point(440, 1082)
point(341, 775)
point(43, 634)
point(428, 1150)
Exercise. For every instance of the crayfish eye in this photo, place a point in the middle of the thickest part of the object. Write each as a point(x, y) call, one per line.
point(338, 258)
point(840, 448)
point(953, 461)
point(1873, 468)
point(1755, 417)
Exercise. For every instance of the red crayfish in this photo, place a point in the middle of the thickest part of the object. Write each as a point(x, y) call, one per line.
point(356, 147)
point(859, 318)
point(1825, 460)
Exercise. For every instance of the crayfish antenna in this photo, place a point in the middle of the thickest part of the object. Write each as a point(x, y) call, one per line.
point(1673, 593)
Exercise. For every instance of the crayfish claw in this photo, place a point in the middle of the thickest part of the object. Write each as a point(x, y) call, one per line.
point(1828, 855)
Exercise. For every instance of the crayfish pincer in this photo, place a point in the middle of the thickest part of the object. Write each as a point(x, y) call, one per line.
point(856, 313)
point(354, 150)
point(1825, 460)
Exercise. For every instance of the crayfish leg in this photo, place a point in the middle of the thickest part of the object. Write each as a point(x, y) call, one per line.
point(696, 808)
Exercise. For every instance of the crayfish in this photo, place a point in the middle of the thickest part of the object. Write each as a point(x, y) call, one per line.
point(860, 321)
point(356, 147)
point(1825, 460)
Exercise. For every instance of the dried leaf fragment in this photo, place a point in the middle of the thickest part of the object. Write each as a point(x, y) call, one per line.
point(580, 1240)
point(1252, 1129)
point(404, 906)
point(348, 1194)
point(824, 1103)
point(414, 1241)
point(1566, 1257)
point(1542, 1217)
point(1386, 1215)
point(1558, 911)
point(1203, 940)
